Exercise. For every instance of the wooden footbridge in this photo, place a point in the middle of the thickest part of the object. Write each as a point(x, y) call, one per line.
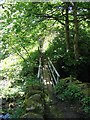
point(49, 76)
point(53, 75)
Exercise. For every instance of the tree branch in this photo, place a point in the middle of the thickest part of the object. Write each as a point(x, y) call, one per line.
point(47, 16)
point(18, 53)
point(26, 51)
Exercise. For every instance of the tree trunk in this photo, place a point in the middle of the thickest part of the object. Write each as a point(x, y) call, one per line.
point(76, 48)
point(67, 28)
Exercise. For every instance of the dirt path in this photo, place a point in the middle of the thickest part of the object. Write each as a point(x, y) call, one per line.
point(57, 108)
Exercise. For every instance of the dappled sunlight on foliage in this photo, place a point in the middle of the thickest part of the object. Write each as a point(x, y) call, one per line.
point(31, 32)
point(9, 66)
point(11, 60)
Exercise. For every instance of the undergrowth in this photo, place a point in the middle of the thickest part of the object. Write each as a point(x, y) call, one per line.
point(67, 90)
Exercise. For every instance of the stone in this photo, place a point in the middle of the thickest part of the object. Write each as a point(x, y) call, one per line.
point(32, 108)
point(34, 87)
point(36, 97)
point(31, 115)
point(32, 92)
point(86, 91)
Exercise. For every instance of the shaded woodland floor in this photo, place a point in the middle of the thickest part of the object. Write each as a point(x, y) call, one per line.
point(57, 108)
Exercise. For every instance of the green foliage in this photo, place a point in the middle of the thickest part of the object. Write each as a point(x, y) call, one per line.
point(32, 81)
point(57, 47)
point(67, 90)
point(72, 93)
point(17, 113)
point(10, 67)
point(60, 87)
point(31, 66)
point(86, 104)
point(27, 22)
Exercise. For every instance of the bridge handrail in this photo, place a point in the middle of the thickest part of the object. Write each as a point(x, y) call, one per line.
point(53, 67)
point(53, 71)
point(39, 69)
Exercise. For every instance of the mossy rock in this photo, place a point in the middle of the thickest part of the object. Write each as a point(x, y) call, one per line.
point(31, 115)
point(39, 109)
point(36, 98)
point(47, 99)
point(55, 113)
point(46, 91)
point(86, 91)
point(29, 103)
point(34, 87)
point(68, 79)
point(77, 82)
point(32, 92)
point(83, 86)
